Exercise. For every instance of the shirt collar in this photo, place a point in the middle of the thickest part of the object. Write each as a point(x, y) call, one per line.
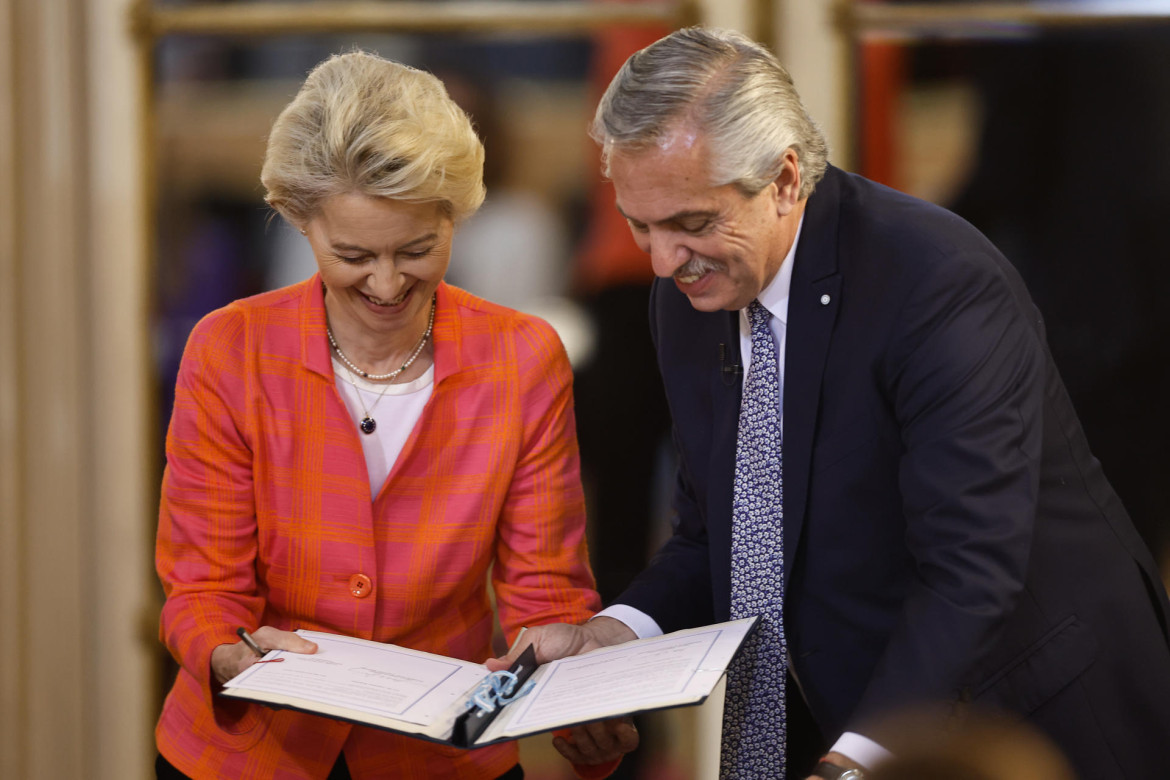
point(774, 297)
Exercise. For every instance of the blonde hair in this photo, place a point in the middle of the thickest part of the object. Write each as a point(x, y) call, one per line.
point(365, 124)
point(727, 86)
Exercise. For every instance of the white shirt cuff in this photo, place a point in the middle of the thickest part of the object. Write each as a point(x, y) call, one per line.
point(858, 748)
point(638, 621)
point(861, 749)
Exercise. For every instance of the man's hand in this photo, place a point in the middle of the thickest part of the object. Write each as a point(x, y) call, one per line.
point(558, 640)
point(229, 660)
point(596, 743)
point(593, 744)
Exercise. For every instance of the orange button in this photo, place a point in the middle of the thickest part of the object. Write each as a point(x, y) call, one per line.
point(360, 585)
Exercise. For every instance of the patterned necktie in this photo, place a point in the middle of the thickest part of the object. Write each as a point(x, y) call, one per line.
point(753, 717)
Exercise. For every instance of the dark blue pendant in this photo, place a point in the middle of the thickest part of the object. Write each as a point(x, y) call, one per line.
point(368, 425)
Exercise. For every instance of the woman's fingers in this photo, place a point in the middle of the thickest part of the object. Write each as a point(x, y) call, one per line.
point(229, 660)
point(270, 638)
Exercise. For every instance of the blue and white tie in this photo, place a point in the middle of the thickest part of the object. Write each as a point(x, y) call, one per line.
point(754, 718)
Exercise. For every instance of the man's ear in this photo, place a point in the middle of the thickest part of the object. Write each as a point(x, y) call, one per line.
point(788, 183)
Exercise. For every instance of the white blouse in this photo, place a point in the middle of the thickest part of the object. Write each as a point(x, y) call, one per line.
point(394, 408)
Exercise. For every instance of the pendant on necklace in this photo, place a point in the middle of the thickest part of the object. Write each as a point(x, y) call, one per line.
point(368, 425)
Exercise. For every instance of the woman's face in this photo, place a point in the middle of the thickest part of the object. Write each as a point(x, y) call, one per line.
point(380, 260)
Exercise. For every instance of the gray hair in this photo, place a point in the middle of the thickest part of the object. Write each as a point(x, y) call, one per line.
point(368, 125)
point(726, 86)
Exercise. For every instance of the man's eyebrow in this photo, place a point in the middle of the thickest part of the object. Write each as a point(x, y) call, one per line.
point(677, 217)
point(624, 214)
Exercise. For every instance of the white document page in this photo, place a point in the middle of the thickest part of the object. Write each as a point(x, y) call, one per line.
point(349, 675)
point(670, 670)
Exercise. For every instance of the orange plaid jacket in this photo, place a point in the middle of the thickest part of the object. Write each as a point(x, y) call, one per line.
point(266, 515)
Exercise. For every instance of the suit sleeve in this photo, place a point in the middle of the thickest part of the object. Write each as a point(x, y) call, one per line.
point(542, 570)
point(675, 588)
point(206, 546)
point(965, 373)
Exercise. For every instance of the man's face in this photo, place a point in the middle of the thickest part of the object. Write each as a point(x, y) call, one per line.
point(721, 247)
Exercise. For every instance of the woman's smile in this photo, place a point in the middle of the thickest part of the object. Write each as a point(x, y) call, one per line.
point(381, 261)
point(381, 306)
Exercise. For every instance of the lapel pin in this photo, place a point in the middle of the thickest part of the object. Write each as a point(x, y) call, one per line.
point(825, 300)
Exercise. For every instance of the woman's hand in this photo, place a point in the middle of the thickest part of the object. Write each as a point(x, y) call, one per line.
point(229, 660)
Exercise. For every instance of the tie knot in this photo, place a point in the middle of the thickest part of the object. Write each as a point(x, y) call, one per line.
point(758, 316)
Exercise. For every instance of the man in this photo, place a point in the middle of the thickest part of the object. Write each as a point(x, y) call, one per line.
point(942, 534)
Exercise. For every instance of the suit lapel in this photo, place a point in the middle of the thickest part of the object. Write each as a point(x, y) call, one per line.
point(726, 392)
point(812, 309)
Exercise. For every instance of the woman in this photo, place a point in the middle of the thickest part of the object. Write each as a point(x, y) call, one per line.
point(355, 453)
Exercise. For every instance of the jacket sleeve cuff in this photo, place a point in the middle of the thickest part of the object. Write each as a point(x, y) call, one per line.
point(226, 711)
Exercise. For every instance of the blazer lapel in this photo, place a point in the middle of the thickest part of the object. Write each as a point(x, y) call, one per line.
point(812, 309)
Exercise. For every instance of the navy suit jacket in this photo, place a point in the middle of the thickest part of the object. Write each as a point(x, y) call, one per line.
point(948, 536)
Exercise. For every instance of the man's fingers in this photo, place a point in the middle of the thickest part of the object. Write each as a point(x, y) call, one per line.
point(626, 734)
point(569, 750)
point(550, 641)
point(505, 661)
point(614, 737)
point(558, 640)
point(598, 742)
point(521, 643)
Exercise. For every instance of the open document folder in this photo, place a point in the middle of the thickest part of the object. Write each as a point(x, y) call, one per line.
point(460, 703)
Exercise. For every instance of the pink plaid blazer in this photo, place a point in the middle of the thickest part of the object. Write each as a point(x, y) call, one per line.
point(266, 516)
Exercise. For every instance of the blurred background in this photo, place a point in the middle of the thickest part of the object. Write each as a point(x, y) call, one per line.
point(131, 138)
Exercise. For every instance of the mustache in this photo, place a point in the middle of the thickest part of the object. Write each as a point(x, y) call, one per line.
point(696, 266)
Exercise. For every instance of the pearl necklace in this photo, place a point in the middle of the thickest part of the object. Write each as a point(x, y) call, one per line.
point(368, 425)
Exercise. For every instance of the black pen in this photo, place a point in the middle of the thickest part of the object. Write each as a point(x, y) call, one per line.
point(249, 641)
